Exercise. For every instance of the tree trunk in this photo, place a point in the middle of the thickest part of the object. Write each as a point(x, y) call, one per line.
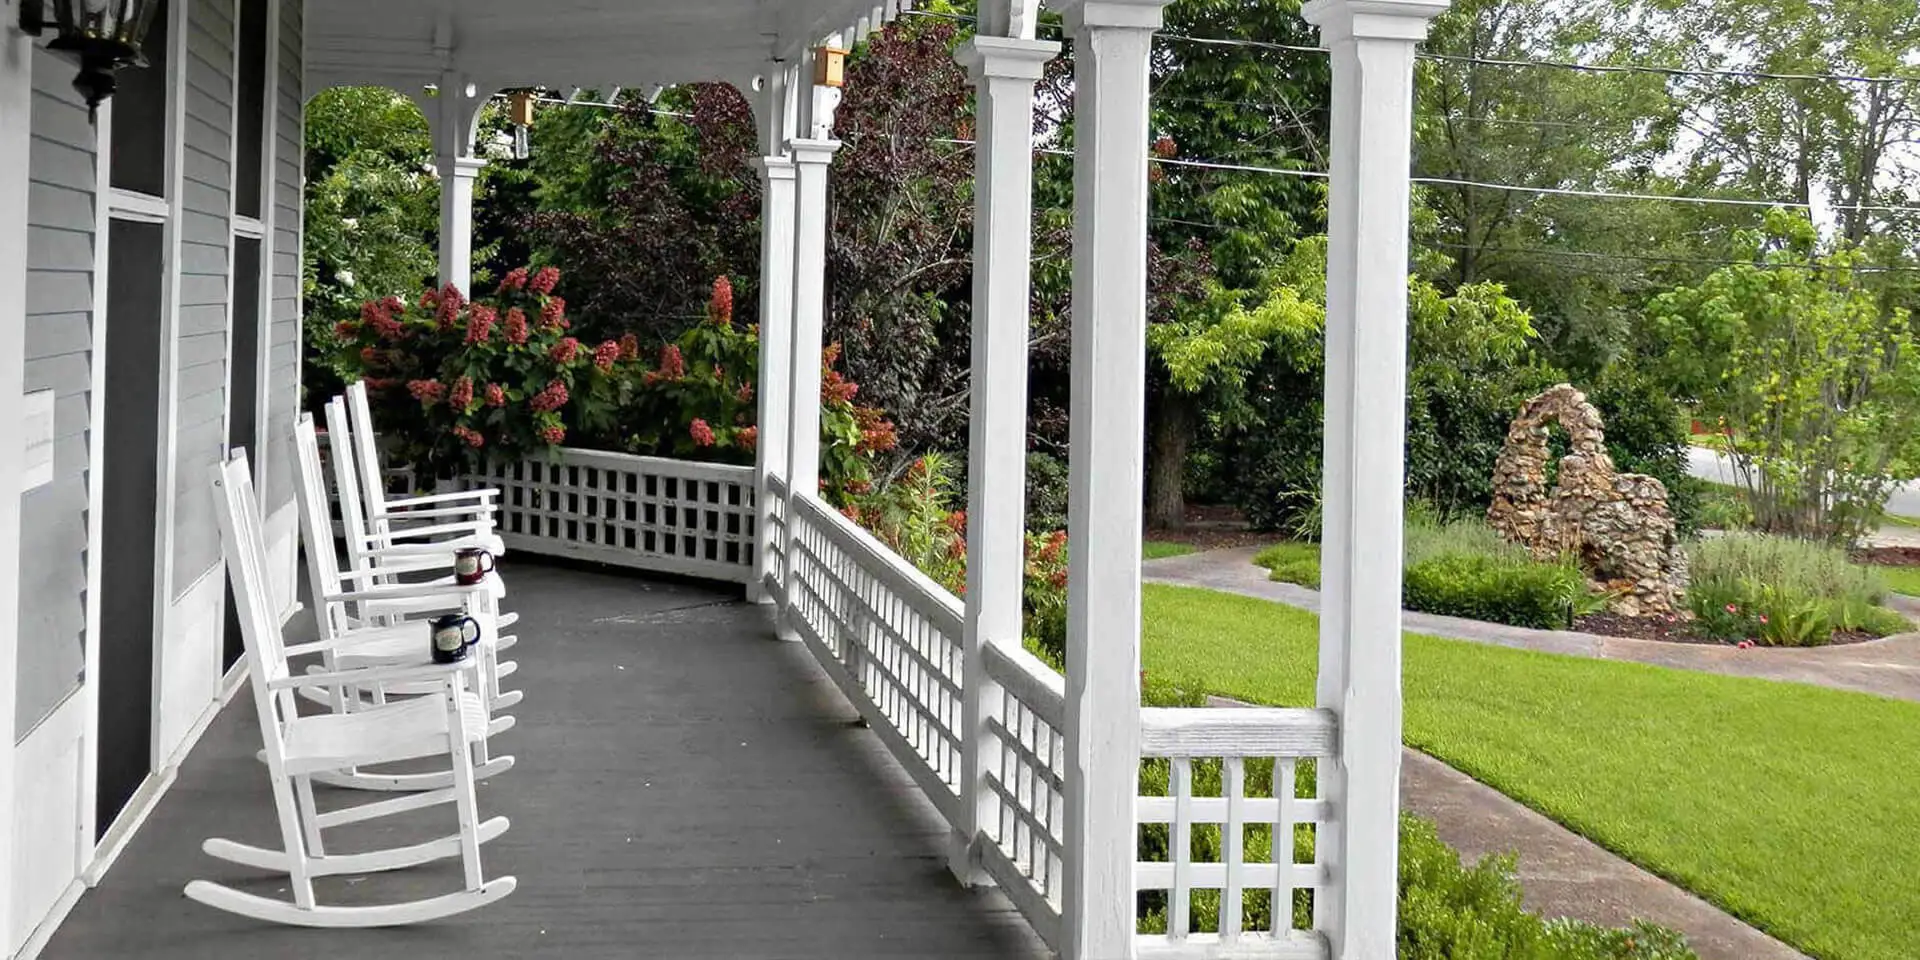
point(1171, 432)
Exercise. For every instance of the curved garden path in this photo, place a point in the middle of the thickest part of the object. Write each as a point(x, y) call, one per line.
point(1889, 667)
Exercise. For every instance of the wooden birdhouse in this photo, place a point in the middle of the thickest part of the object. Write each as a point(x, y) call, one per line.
point(830, 67)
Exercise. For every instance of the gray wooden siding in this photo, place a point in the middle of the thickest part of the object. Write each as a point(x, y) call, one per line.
point(200, 329)
point(283, 335)
point(59, 356)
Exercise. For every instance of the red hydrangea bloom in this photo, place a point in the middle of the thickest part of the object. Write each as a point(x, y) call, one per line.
point(461, 396)
point(957, 521)
point(516, 326)
point(1165, 147)
point(745, 393)
point(496, 395)
point(480, 322)
point(553, 314)
point(552, 397)
point(553, 433)
point(1059, 579)
point(748, 437)
point(345, 329)
point(673, 366)
point(629, 347)
point(514, 280)
point(469, 436)
point(957, 550)
point(1056, 542)
point(393, 304)
point(564, 351)
point(835, 388)
point(857, 486)
point(605, 355)
point(720, 306)
point(544, 281)
point(429, 299)
point(369, 356)
point(701, 433)
point(876, 432)
point(428, 392)
point(448, 313)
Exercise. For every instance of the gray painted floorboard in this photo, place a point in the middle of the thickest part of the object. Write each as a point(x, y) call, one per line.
point(685, 786)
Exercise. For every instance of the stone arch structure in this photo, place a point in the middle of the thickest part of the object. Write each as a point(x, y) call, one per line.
point(1617, 524)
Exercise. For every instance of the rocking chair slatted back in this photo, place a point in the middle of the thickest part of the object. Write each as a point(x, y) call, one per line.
point(355, 501)
point(244, 547)
point(323, 565)
point(367, 449)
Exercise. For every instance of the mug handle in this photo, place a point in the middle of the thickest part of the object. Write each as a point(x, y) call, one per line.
point(485, 563)
point(475, 624)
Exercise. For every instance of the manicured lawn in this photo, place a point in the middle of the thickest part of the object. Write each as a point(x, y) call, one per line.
point(1159, 549)
point(1902, 579)
point(1792, 807)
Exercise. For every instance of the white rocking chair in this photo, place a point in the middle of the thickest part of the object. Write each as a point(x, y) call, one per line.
point(298, 748)
point(345, 645)
point(472, 510)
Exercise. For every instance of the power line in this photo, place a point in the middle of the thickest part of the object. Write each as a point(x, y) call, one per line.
point(1496, 62)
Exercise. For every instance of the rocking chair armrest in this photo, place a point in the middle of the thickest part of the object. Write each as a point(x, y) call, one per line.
point(480, 509)
point(404, 564)
point(392, 674)
point(386, 538)
point(484, 493)
point(454, 592)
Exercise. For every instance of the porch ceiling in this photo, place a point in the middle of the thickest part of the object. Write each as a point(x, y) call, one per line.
point(556, 43)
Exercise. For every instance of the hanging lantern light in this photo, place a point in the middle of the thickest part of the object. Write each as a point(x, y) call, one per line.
point(101, 35)
point(520, 114)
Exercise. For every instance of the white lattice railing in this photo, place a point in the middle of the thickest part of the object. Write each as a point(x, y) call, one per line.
point(1251, 831)
point(775, 517)
point(1024, 840)
point(650, 513)
point(888, 636)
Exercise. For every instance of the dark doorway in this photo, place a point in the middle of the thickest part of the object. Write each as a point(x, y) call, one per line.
point(130, 454)
point(243, 385)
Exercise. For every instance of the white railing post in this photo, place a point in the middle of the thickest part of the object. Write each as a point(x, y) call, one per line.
point(453, 126)
point(1111, 42)
point(1003, 71)
point(811, 159)
point(776, 316)
point(1372, 42)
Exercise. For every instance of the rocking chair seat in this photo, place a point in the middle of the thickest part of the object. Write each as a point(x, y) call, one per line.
point(398, 731)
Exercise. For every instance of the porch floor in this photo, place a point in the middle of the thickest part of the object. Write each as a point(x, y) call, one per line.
point(685, 786)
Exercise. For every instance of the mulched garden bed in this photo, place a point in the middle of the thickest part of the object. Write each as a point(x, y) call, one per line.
point(1888, 556)
point(1214, 527)
point(1676, 630)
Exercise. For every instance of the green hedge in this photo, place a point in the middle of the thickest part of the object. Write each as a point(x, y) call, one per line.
point(1497, 589)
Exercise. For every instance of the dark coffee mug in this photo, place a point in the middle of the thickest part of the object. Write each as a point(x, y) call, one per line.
point(451, 637)
point(471, 565)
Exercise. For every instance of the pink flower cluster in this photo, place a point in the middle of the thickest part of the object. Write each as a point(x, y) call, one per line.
point(428, 392)
point(673, 366)
point(461, 397)
point(747, 437)
point(702, 433)
point(720, 306)
point(514, 280)
point(564, 351)
point(606, 355)
point(553, 433)
point(480, 322)
point(516, 326)
point(553, 314)
point(544, 280)
point(447, 313)
point(629, 347)
point(469, 436)
point(378, 314)
point(496, 395)
point(552, 397)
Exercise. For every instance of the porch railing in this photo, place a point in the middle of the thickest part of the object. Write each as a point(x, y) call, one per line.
point(649, 513)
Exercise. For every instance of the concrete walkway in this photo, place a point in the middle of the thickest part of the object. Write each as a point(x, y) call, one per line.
point(1889, 667)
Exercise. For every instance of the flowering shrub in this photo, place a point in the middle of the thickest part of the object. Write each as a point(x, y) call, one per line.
point(698, 403)
point(912, 516)
point(457, 380)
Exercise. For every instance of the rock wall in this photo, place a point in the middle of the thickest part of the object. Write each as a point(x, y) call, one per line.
point(1616, 524)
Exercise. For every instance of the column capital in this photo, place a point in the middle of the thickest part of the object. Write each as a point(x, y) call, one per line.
point(1013, 58)
point(468, 167)
point(1372, 19)
point(812, 151)
point(1121, 14)
point(774, 168)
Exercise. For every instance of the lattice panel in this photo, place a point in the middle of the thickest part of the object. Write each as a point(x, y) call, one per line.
point(891, 636)
point(1029, 791)
point(643, 512)
point(775, 517)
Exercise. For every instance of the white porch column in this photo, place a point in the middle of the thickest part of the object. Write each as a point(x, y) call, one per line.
point(1361, 491)
point(451, 119)
point(776, 345)
point(1003, 71)
point(811, 159)
point(1111, 42)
